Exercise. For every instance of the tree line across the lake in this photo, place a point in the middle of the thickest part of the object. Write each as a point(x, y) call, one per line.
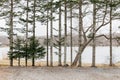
point(84, 17)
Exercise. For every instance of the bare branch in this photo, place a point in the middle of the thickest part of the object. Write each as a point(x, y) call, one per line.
point(103, 36)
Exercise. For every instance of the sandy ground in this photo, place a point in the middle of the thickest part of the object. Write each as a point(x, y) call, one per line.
point(58, 73)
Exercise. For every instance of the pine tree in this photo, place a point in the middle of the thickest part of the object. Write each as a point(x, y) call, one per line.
point(18, 51)
point(36, 49)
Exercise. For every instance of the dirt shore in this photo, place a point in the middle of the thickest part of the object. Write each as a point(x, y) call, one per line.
point(58, 73)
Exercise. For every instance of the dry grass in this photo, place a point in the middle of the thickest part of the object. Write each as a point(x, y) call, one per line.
point(6, 62)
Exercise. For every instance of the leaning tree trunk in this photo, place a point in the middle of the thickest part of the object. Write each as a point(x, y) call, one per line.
point(26, 55)
point(60, 64)
point(82, 49)
point(65, 34)
point(94, 42)
point(80, 33)
point(51, 35)
point(11, 34)
point(88, 40)
point(34, 12)
point(110, 34)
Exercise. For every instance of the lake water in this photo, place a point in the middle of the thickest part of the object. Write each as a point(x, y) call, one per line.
point(102, 54)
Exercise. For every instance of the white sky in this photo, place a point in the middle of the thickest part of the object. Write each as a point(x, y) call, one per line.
point(41, 29)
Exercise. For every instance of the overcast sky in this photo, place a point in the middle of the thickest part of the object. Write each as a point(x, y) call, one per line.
point(41, 29)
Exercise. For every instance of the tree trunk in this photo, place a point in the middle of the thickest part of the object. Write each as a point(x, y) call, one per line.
point(82, 49)
point(19, 61)
point(11, 34)
point(94, 42)
point(34, 12)
point(26, 33)
point(110, 34)
point(59, 64)
point(47, 41)
point(71, 34)
point(51, 35)
point(65, 34)
point(77, 58)
point(80, 33)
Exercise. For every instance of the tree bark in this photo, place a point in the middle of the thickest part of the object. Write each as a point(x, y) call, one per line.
point(94, 42)
point(110, 34)
point(71, 34)
point(80, 33)
point(47, 41)
point(26, 55)
point(11, 34)
point(59, 64)
point(34, 13)
point(51, 35)
point(19, 61)
point(65, 34)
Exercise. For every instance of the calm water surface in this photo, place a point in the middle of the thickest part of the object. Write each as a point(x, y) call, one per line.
point(102, 54)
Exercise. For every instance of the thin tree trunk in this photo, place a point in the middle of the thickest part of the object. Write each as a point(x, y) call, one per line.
point(80, 33)
point(19, 61)
point(65, 34)
point(51, 44)
point(60, 64)
point(110, 34)
point(94, 42)
point(47, 41)
point(11, 34)
point(71, 34)
point(26, 57)
point(34, 12)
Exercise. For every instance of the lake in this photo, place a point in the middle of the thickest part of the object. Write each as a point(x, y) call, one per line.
point(102, 54)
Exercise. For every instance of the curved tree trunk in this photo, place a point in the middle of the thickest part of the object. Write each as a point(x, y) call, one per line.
point(82, 49)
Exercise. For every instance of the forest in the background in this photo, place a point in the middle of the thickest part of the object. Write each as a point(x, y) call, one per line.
point(65, 17)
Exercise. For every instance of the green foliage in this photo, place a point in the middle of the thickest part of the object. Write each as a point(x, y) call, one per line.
point(94, 1)
point(35, 48)
point(97, 1)
point(19, 49)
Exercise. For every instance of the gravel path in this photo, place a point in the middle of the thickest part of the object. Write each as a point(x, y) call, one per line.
point(58, 73)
